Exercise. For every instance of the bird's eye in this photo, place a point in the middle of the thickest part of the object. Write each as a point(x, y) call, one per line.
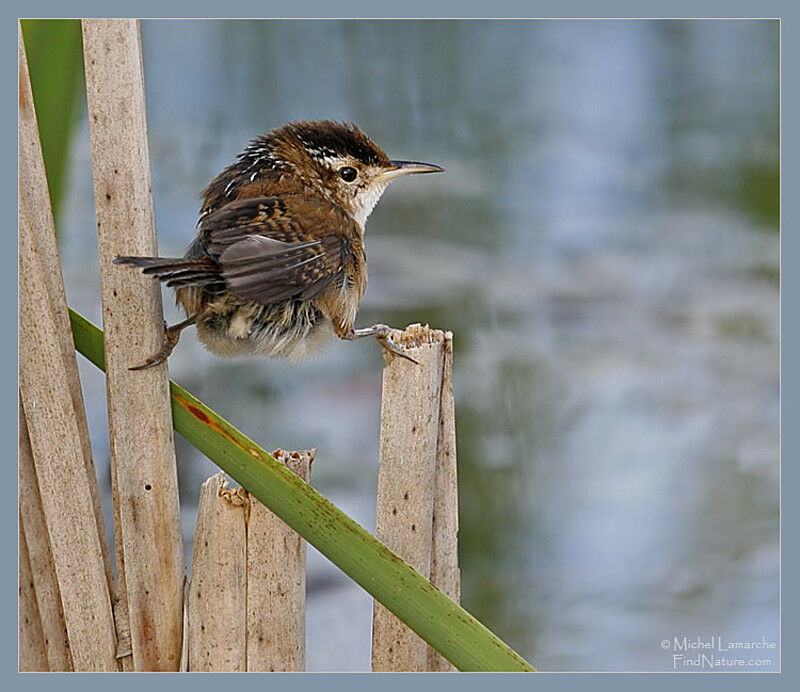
point(348, 174)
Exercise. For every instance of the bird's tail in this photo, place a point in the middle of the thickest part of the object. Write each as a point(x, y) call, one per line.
point(176, 272)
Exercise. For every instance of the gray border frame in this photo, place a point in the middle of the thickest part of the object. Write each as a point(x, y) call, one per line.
point(786, 11)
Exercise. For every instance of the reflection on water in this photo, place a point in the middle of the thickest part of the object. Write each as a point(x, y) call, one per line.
point(604, 247)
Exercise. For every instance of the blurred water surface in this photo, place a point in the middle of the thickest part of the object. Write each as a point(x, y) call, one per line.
point(605, 248)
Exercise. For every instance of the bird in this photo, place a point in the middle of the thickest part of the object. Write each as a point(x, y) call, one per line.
point(278, 263)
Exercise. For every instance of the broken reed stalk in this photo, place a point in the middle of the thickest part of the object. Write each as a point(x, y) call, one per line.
point(276, 582)
point(216, 610)
point(246, 599)
point(52, 405)
point(416, 480)
point(144, 476)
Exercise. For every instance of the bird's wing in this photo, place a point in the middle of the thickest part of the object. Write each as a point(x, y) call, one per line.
point(245, 217)
point(267, 254)
point(266, 270)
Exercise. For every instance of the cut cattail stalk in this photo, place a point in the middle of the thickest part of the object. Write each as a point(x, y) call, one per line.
point(408, 482)
point(216, 613)
point(246, 598)
point(276, 583)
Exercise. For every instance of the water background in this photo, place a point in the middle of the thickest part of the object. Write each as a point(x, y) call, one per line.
point(604, 246)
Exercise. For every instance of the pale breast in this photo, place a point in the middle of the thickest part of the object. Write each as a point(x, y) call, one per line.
point(293, 329)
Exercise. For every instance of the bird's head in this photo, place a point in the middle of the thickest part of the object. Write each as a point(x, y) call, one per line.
point(337, 161)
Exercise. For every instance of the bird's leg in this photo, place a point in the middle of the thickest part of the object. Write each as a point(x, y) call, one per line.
point(171, 336)
point(383, 333)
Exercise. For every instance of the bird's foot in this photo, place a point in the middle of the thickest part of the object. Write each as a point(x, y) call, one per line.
point(384, 334)
point(171, 337)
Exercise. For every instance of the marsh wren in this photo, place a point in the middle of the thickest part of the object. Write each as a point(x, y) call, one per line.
point(278, 263)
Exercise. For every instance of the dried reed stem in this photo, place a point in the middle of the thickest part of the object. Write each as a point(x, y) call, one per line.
point(54, 415)
point(409, 434)
point(32, 647)
point(216, 609)
point(246, 600)
point(144, 477)
point(276, 583)
point(37, 548)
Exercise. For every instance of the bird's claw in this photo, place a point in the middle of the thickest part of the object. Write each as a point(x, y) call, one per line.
point(170, 340)
point(383, 333)
point(384, 336)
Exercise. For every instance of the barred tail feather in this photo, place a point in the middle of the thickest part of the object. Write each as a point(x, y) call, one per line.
point(176, 272)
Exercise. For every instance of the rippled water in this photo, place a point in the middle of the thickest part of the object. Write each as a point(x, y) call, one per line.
point(605, 248)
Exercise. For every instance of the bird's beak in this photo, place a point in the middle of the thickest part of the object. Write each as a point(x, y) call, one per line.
point(398, 168)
